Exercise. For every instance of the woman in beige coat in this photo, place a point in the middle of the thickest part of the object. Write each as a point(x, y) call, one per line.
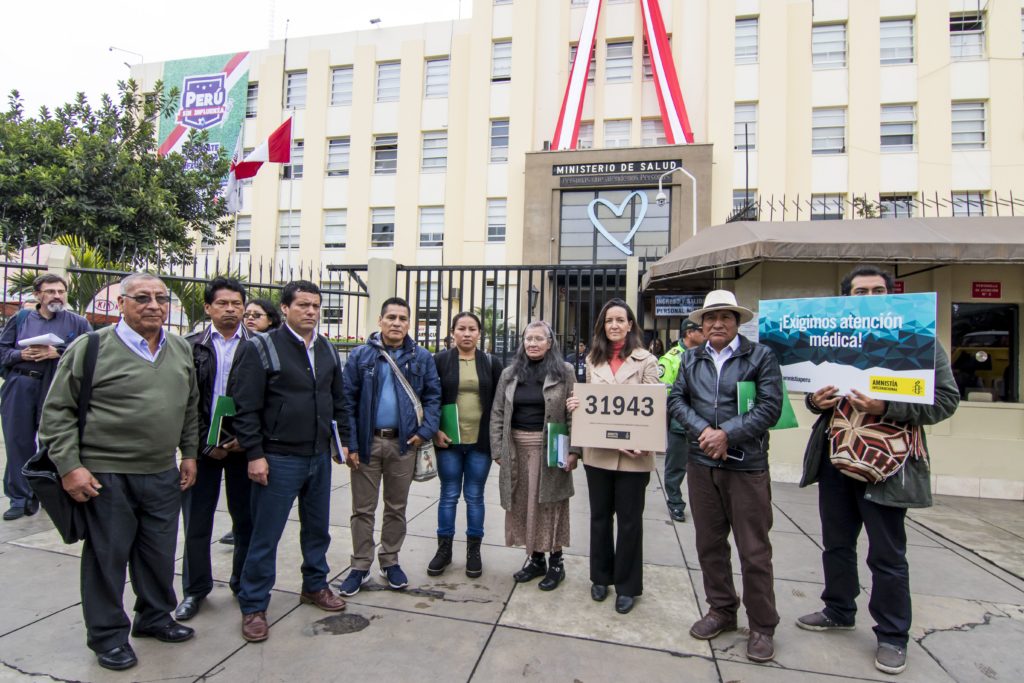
point(617, 479)
point(531, 394)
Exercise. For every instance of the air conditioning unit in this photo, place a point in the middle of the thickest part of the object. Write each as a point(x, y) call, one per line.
point(455, 293)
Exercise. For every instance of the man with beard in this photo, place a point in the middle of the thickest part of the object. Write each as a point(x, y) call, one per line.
point(28, 372)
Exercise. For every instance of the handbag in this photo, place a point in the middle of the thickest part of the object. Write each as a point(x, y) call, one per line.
point(426, 460)
point(869, 448)
point(67, 514)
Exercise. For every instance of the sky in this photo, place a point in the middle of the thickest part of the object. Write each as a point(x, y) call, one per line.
point(52, 49)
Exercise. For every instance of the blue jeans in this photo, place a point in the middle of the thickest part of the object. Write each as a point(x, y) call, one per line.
point(291, 476)
point(462, 468)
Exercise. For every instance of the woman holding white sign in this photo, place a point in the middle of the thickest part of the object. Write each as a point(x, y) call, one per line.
point(617, 478)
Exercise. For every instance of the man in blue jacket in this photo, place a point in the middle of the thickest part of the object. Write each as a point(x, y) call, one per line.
point(384, 434)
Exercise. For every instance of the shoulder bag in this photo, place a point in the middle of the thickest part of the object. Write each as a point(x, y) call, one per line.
point(426, 462)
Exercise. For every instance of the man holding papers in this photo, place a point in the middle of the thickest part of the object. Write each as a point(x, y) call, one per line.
point(30, 345)
point(727, 473)
point(213, 351)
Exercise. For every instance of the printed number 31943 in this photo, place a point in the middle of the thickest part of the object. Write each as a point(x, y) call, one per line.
point(618, 405)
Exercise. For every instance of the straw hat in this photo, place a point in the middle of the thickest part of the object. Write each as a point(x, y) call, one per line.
point(717, 300)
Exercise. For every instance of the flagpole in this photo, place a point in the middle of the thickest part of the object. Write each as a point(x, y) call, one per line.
point(284, 108)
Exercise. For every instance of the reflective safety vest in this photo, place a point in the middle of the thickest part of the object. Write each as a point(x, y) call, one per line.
point(668, 364)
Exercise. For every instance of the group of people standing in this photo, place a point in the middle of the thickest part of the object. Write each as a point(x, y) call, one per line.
point(297, 407)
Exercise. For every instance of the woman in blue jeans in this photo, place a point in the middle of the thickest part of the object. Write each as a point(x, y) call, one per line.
point(468, 378)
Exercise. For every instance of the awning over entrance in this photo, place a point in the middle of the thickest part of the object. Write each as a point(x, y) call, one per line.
point(976, 239)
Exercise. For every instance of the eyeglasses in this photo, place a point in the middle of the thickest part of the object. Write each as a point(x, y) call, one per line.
point(536, 340)
point(254, 315)
point(54, 292)
point(146, 299)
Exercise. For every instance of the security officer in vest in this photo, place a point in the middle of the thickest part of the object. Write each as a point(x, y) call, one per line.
point(690, 336)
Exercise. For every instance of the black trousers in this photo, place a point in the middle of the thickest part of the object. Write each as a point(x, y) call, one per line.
point(843, 512)
point(676, 456)
point(133, 522)
point(198, 506)
point(617, 500)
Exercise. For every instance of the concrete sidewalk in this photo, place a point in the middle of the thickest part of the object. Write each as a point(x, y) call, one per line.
point(967, 573)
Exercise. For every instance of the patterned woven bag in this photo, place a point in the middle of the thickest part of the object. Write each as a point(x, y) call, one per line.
point(868, 448)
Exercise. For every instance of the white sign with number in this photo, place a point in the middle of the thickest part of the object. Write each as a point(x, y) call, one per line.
point(628, 416)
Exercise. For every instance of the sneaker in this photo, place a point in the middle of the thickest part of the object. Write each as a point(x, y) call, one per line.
point(353, 582)
point(677, 513)
point(890, 659)
point(397, 580)
point(819, 621)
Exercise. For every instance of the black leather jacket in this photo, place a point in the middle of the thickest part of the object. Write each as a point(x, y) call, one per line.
point(701, 398)
point(204, 355)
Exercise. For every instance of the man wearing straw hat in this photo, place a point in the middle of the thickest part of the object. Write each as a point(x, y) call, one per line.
point(727, 473)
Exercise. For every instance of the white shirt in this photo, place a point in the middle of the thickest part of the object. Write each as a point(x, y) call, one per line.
point(309, 347)
point(137, 343)
point(725, 354)
point(225, 350)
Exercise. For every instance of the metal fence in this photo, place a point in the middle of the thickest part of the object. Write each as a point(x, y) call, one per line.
point(843, 206)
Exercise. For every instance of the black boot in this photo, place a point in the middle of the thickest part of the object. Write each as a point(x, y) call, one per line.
point(474, 565)
point(535, 566)
point(442, 558)
point(556, 573)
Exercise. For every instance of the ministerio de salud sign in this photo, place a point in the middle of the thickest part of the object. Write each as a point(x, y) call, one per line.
point(613, 172)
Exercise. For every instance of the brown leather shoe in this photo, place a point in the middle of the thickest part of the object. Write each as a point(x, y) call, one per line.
point(324, 599)
point(254, 627)
point(760, 647)
point(711, 625)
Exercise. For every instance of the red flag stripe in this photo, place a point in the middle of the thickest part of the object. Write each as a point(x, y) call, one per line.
point(670, 97)
point(566, 136)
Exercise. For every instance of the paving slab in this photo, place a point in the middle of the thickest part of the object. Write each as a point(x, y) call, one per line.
point(26, 598)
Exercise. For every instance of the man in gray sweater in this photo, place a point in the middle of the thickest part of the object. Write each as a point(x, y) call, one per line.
point(124, 469)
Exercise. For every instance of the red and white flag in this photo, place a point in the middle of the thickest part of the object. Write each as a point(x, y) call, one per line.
point(277, 149)
point(666, 82)
point(568, 127)
point(234, 188)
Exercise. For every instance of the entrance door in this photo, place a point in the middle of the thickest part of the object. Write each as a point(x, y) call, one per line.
point(984, 351)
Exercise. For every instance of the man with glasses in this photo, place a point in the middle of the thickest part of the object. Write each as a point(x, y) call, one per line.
point(214, 350)
point(28, 371)
point(124, 468)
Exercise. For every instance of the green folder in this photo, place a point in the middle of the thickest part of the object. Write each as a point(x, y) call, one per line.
point(746, 395)
point(450, 422)
point(224, 407)
point(558, 444)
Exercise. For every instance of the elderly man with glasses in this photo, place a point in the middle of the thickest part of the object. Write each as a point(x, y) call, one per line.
point(124, 468)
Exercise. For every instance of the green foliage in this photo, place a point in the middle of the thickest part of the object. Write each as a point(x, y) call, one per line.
point(82, 287)
point(94, 173)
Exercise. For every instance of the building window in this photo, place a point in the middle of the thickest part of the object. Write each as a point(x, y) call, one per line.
point(967, 35)
point(295, 91)
point(579, 3)
point(744, 204)
point(335, 228)
point(828, 131)
point(288, 229)
point(827, 207)
point(591, 65)
point(243, 234)
point(382, 227)
point(616, 133)
point(431, 226)
point(436, 81)
point(252, 96)
point(746, 41)
point(968, 204)
point(585, 139)
point(337, 156)
point(897, 127)
point(389, 76)
point(332, 310)
point(428, 312)
point(502, 2)
point(501, 61)
point(744, 126)
point(293, 169)
point(385, 154)
point(435, 150)
point(652, 133)
point(246, 182)
point(897, 41)
point(646, 66)
point(341, 86)
point(499, 140)
point(828, 46)
point(496, 219)
point(618, 65)
point(968, 125)
point(896, 206)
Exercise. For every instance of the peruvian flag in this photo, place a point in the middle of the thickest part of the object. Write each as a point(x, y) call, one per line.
point(234, 188)
point(666, 82)
point(277, 149)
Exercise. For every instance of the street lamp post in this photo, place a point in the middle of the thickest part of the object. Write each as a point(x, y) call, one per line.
point(142, 60)
point(661, 197)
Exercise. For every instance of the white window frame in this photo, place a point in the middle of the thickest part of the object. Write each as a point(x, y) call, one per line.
point(739, 200)
point(968, 203)
point(746, 45)
point(293, 170)
point(966, 35)
point(896, 205)
point(296, 89)
point(389, 81)
point(380, 218)
point(618, 62)
point(289, 229)
point(335, 228)
point(431, 226)
point(252, 96)
point(341, 86)
point(436, 75)
point(501, 61)
point(585, 137)
point(243, 235)
point(652, 132)
point(897, 121)
point(434, 155)
point(828, 207)
point(896, 41)
point(744, 112)
point(499, 141)
point(968, 125)
point(591, 65)
point(339, 152)
point(828, 130)
point(828, 46)
point(385, 154)
point(497, 219)
point(617, 133)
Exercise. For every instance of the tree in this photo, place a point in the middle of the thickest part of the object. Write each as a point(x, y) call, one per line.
point(95, 174)
point(82, 287)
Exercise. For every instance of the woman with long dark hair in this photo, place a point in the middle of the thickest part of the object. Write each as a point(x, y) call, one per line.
point(468, 379)
point(530, 397)
point(617, 478)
